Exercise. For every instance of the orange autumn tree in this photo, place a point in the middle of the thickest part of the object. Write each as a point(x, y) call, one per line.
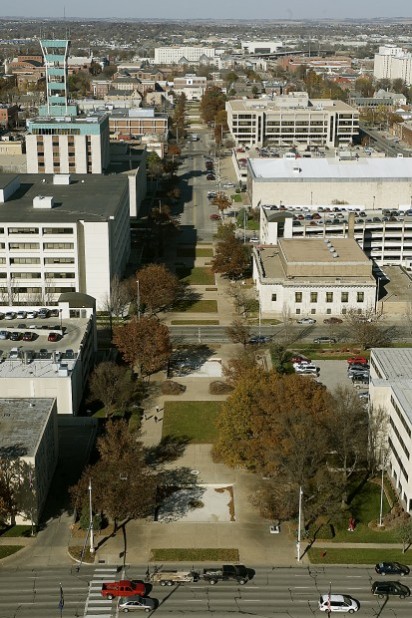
point(144, 344)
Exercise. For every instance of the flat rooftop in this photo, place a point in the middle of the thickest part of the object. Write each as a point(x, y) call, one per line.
point(21, 423)
point(307, 250)
point(369, 169)
point(88, 197)
point(395, 364)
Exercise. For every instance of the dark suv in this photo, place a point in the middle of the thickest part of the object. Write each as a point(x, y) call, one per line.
point(390, 588)
point(392, 568)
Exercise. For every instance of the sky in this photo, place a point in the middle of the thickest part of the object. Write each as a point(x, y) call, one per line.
point(217, 9)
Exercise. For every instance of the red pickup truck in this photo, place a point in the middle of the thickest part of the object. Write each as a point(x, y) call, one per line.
point(123, 588)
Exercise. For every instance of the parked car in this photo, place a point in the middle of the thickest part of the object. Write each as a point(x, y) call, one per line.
point(386, 588)
point(214, 217)
point(361, 368)
point(31, 315)
point(43, 313)
point(332, 321)
point(54, 313)
point(305, 368)
point(357, 360)
point(21, 315)
point(15, 336)
point(298, 358)
point(137, 602)
point(210, 177)
point(1, 316)
point(392, 568)
point(306, 321)
point(324, 340)
point(338, 603)
point(28, 336)
point(10, 315)
point(4, 334)
point(254, 239)
point(53, 337)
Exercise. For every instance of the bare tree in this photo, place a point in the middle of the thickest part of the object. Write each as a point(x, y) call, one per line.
point(367, 328)
point(239, 332)
point(117, 299)
point(377, 438)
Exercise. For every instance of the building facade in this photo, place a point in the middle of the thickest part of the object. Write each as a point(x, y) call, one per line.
point(393, 62)
point(292, 119)
point(302, 278)
point(175, 55)
point(62, 234)
point(390, 391)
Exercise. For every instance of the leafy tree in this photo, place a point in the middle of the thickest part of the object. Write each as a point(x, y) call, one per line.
point(364, 85)
point(159, 288)
point(222, 201)
point(212, 102)
point(239, 332)
point(16, 487)
point(398, 85)
point(383, 84)
point(114, 386)
point(232, 257)
point(123, 485)
point(404, 532)
point(244, 364)
point(144, 344)
point(154, 165)
point(348, 435)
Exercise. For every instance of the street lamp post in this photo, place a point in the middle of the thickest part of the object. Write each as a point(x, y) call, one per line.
point(91, 518)
point(299, 525)
point(138, 299)
point(381, 502)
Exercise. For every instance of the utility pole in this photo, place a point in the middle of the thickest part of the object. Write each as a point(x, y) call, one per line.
point(299, 525)
point(138, 299)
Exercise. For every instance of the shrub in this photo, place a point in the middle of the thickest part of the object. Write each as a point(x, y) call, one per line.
point(172, 388)
point(220, 388)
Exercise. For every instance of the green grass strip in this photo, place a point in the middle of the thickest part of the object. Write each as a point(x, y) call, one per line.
point(182, 554)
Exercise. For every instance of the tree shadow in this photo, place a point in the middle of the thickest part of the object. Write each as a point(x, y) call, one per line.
point(188, 358)
point(169, 449)
point(187, 296)
point(178, 493)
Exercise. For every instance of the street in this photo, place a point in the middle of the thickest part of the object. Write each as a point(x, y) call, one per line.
point(284, 592)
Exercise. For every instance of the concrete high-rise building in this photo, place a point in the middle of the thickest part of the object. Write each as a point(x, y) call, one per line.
point(393, 63)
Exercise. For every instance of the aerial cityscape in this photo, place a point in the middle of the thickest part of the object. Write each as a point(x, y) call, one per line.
point(205, 309)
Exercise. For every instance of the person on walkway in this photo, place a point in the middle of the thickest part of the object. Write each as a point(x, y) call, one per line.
point(157, 409)
point(155, 418)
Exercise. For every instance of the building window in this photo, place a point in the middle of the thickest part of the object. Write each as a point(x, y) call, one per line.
point(274, 298)
point(58, 245)
point(24, 246)
point(360, 297)
point(328, 311)
point(23, 230)
point(313, 297)
point(344, 297)
point(297, 311)
point(57, 230)
point(298, 297)
point(329, 297)
point(343, 310)
point(313, 311)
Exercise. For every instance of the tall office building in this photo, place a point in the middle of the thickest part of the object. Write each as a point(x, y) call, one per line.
point(60, 140)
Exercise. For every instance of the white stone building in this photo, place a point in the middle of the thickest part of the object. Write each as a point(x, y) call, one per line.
point(390, 388)
point(192, 55)
point(313, 277)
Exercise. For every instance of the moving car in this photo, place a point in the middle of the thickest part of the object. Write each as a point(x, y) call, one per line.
point(137, 602)
point(338, 603)
point(390, 588)
point(258, 339)
point(123, 588)
point(392, 568)
point(324, 340)
point(306, 321)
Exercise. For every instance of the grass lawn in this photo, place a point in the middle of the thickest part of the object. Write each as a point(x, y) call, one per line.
point(194, 420)
point(191, 252)
point(9, 550)
point(333, 555)
point(236, 197)
point(201, 306)
point(196, 322)
point(328, 352)
point(196, 275)
point(194, 555)
point(16, 531)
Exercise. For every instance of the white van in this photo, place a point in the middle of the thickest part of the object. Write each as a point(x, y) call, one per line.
point(338, 603)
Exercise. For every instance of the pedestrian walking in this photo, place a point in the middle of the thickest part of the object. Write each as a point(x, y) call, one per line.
point(157, 409)
point(155, 418)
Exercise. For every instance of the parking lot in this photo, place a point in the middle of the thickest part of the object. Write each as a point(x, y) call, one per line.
point(333, 373)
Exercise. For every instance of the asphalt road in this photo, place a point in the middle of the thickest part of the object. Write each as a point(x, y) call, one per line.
point(283, 592)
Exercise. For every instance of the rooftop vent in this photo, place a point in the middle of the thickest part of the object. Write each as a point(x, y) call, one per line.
point(297, 170)
point(61, 179)
point(43, 201)
point(335, 255)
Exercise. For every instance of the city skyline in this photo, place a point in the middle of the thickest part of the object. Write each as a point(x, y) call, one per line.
point(214, 9)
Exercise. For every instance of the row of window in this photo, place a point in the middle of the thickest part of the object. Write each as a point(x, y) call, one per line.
point(400, 416)
point(314, 297)
point(26, 246)
point(398, 459)
point(36, 291)
point(398, 435)
point(35, 230)
point(28, 275)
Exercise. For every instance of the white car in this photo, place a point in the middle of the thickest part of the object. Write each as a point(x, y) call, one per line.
point(306, 368)
point(338, 603)
point(128, 604)
point(306, 321)
point(21, 315)
point(10, 315)
point(4, 334)
point(31, 315)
